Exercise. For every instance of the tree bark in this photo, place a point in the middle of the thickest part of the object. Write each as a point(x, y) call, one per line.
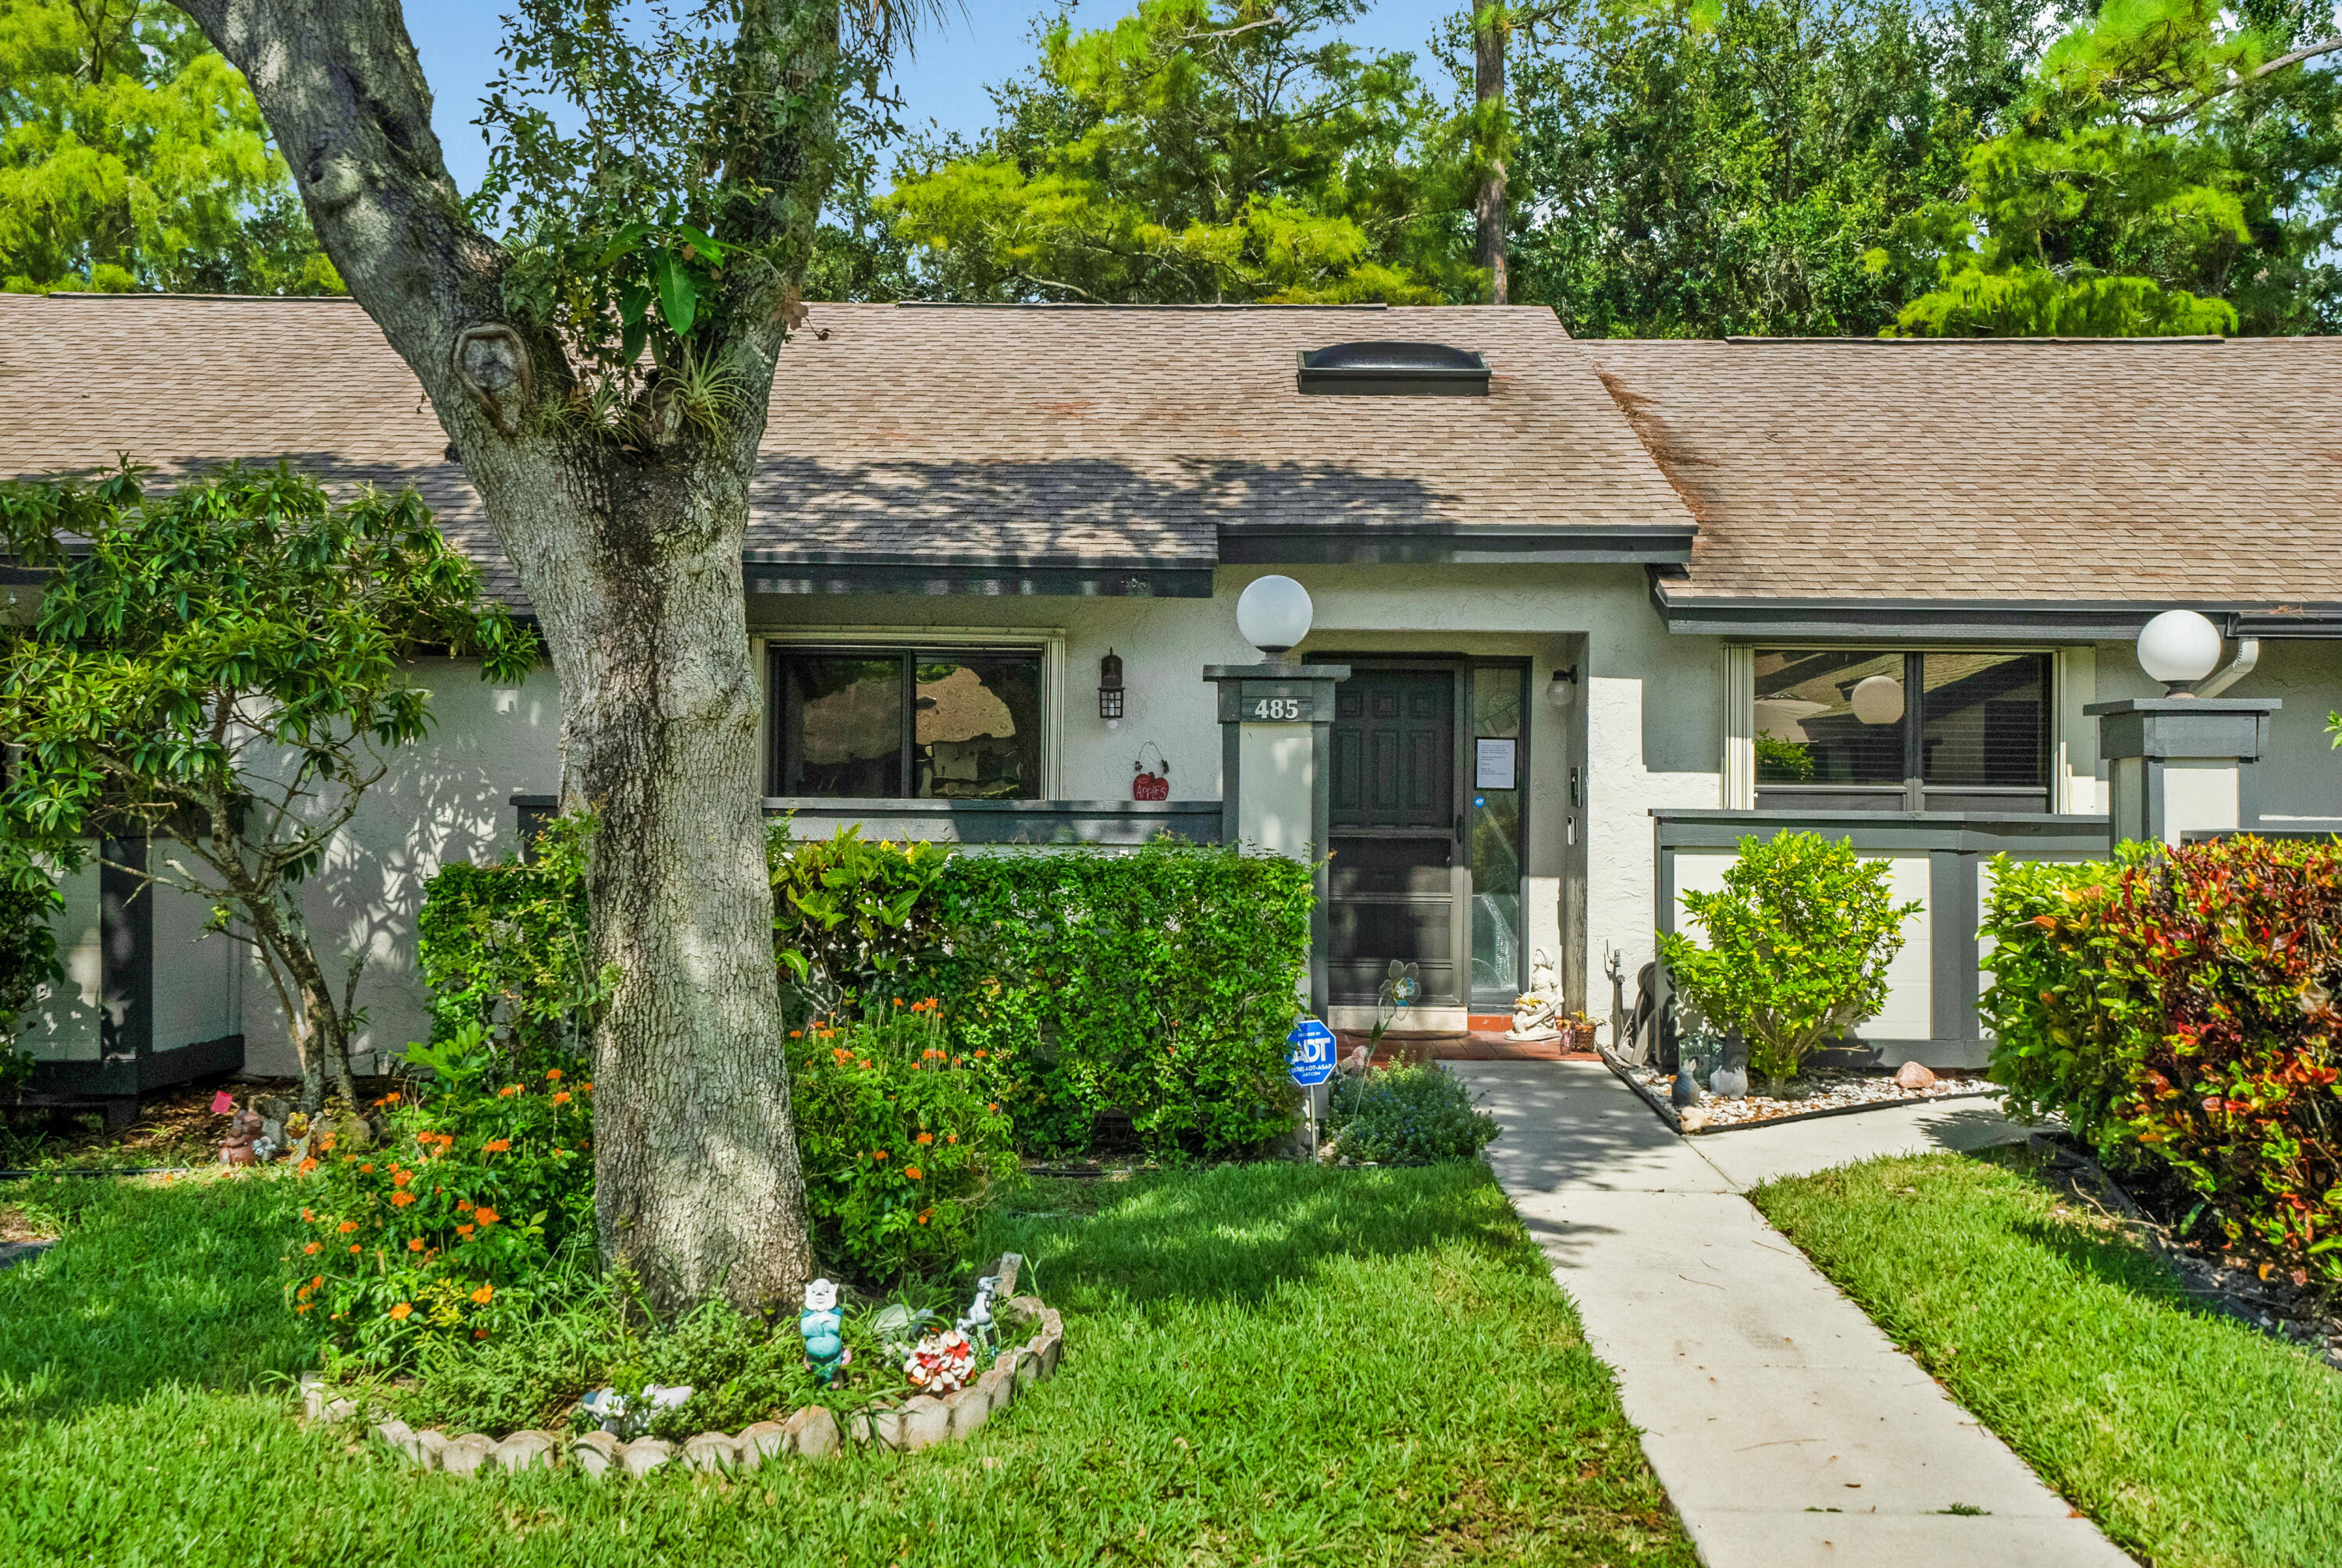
point(632, 563)
point(1488, 112)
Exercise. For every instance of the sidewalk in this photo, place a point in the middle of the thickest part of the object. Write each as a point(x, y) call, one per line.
point(1787, 1428)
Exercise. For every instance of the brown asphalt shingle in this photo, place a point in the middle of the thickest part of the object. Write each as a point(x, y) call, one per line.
point(1032, 437)
point(2136, 472)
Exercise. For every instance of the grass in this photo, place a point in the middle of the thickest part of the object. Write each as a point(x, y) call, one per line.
point(1270, 1364)
point(2192, 1441)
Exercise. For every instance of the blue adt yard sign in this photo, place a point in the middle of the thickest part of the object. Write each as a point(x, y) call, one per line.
point(1311, 1055)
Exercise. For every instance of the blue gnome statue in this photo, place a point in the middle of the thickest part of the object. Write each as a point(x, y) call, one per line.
point(823, 1327)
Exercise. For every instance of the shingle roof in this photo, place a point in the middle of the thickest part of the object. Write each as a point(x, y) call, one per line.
point(902, 436)
point(2188, 471)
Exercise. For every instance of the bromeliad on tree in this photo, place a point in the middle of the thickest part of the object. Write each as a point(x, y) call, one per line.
point(219, 672)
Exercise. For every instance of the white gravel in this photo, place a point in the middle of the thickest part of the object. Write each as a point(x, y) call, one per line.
point(1820, 1089)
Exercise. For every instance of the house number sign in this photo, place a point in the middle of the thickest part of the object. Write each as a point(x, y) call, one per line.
point(1266, 703)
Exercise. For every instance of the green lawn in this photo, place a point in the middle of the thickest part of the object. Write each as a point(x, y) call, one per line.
point(2193, 1441)
point(1267, 1364)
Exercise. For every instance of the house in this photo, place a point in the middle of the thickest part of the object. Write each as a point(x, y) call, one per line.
point(1598, 609)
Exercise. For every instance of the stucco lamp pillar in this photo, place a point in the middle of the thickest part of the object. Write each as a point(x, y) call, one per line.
point(2181, 763)
point(1276, 719)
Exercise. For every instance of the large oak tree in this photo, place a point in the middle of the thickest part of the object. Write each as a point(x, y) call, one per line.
point(597, 333)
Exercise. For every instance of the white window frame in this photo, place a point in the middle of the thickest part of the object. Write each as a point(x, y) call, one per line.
point(1049, 641)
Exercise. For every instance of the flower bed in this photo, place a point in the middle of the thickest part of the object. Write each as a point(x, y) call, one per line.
point(812, 1431)
point(1819, 1091)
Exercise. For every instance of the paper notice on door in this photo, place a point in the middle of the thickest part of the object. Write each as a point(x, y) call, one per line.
point(1494, 764)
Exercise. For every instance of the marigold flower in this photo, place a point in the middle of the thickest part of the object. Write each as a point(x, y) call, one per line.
point(463, 1205)
point(488, 1216)
point(462, 1230)
point(562, 1098)
point(485, 1294)
point(366, 1170)
point(402, 1312)
point(400, 1200)
point(554, 1074)
point(355, 1247)
point(507, 1091)
point(415, 1244)
point(979, 1056)
point(311, 1249)
point(315, 1282)
point(878, 1154)
point(346, 1226)
point(926, 1137)
point(498, 1147)
point(585, 1088)
point(390, 1098)
point(401, 1179)
point(914, 1172)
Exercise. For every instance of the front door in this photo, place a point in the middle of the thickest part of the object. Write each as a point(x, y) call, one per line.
point(1394, 832)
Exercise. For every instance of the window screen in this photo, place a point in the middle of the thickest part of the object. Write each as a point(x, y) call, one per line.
point(891, 723)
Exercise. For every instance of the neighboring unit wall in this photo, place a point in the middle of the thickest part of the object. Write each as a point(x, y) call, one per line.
point(2298, 782)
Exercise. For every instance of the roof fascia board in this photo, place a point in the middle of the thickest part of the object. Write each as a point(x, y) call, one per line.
point(1830, 618)
point(984, 581)
point(1252, 545)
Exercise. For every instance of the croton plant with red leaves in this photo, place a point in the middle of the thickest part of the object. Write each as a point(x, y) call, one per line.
point(2179, 1006)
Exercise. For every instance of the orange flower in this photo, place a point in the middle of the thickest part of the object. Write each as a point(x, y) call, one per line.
point(840, 1052)
point(462, 1230)
point(390, 1098)
point(346, 1226)
point(311, 1249)
point(402, 1312)
point(864, 1066)
point(463, 1205)
point(979, 1056)
point(796, 1034)
point(878, 1154)
point(355, 1247)
point(507, 1091)
point(562, 1098)
point(366, 1170)
point(488, 1216)
point(498, 1147)
point(479, 1333)
point(415, 1244)
point(315, 1282)
point(952, 1138)
point(585, 1088)
point(484, 1294)
point(303, 1309)
point(308, 1165)
point(991, 1105)
point(554, 1074)
point(401, 1179)
point(926, 1137)
point(400, 1200)
point(898, 1001)
point(913, 1171)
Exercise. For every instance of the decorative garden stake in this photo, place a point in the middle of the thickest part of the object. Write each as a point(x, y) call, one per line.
point(824, 1328)
point(941, 1363)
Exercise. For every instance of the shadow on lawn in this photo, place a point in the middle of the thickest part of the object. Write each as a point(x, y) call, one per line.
point(1240, 1232)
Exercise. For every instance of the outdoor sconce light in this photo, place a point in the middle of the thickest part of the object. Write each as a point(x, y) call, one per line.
point(1110, 689)
point(1273, 614)
point(2179, 648)
point(1564, 689)
point(1877, 700)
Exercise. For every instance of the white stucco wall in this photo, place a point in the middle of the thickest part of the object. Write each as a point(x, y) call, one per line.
point(2300, 781)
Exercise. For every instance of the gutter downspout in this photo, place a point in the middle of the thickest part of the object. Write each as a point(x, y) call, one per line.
point(2248, 654)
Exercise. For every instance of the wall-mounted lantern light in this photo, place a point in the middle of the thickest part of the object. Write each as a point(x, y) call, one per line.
point(1564, 689)
point(1110, 689)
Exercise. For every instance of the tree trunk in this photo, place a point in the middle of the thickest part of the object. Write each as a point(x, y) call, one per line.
point(631, 556)
point(1488, 117)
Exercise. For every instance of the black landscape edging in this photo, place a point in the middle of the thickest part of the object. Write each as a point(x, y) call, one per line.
point(105, 1170)
point(1669, 1115)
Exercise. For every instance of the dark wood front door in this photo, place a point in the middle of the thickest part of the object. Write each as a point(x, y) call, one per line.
point(1397, 857)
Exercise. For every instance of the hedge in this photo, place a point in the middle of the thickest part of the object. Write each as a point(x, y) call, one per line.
point(2177, 1007)
point(1159, 981)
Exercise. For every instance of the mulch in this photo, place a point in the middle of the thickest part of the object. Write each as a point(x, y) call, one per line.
point(1463, 1045)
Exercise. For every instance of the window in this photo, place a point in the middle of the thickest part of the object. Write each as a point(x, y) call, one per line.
point(1836, 727)
point(919, 724)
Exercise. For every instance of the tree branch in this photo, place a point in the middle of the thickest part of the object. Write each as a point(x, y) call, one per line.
point(2308, 52)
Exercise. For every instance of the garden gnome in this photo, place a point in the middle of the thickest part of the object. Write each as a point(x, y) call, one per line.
point(977, 1324)
point(243, 1132)
point(823, 1327)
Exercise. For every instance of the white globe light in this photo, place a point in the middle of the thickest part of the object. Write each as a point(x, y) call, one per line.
point(2180, 647)
point(1273, 613)
point(1878, 700)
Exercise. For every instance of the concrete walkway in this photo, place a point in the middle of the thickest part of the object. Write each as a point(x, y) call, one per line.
point(1787, 1428)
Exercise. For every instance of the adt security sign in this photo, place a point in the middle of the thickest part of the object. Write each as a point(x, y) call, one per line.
point(1312, 1052)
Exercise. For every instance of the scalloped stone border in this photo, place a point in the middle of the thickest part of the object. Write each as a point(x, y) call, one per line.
point(923, 1421)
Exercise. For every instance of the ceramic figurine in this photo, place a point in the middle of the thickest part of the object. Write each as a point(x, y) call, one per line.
point(941, 1363)
point(243, 1132)
point(823, 1327)
point(977, 1324)
point(1732, 1082)
point(1686, 1088)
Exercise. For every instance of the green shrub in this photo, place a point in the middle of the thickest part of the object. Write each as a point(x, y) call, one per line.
point(476, 1203)
point(28, 951)
point(506, 948)
point(1159, 981)
point(852, 918)
point(1798, 941)
point(899, 1137)
point(1419, 1115)
point(2179, 1007)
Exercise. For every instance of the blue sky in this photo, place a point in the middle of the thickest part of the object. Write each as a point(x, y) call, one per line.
point(943, 82)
